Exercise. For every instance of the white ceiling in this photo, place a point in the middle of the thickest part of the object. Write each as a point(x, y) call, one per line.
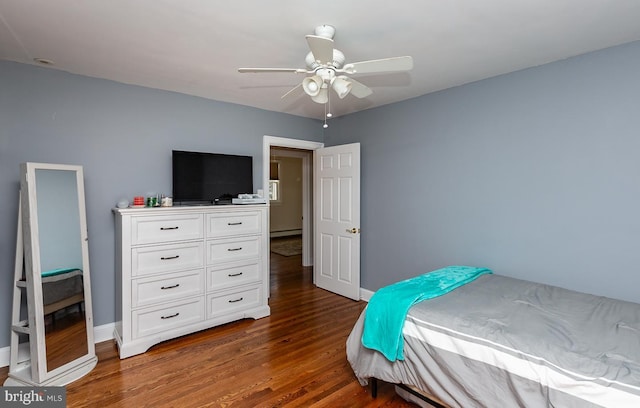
point(196, 46)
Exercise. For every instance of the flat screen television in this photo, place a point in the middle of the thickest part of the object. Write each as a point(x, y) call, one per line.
point(210, 178)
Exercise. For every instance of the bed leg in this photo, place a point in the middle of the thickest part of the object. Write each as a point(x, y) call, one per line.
point(374, 387)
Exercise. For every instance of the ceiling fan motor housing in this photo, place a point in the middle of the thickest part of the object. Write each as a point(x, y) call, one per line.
point(338, 60)
point(326, 31)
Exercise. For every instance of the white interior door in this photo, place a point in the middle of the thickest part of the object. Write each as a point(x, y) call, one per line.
point(336, 183)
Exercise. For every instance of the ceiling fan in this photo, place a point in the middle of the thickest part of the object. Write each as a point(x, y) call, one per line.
point(326, 69)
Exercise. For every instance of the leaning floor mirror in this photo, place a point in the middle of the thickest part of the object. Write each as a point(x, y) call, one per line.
point(53, 344)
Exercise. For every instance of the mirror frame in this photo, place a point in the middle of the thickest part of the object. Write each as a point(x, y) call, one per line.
point(77, 368)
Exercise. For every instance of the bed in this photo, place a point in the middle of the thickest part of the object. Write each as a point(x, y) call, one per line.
point(62, 288)
point(500, 341)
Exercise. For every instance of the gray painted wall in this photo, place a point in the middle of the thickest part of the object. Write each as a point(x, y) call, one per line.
point(122, 135)
point(535, 174)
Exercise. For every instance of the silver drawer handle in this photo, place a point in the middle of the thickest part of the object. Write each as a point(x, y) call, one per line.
point(170, 287)
point(234, 249)
point(234, 274)
point(236, 300)
point(168, 228)
point(169, 317)
point(166, 258)
point(234, 223)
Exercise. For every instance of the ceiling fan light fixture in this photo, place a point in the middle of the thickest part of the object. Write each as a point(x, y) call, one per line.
point(338, 58)
point(311, 61)
point(342, 86)
point(312, 85)
point(321, 97)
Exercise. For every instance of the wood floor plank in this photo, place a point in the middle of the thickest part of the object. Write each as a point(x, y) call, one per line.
point(293, 358)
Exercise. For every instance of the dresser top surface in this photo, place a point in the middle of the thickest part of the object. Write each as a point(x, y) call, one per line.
point(187, 208)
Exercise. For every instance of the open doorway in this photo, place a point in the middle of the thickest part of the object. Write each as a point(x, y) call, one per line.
point(300, 146)
point(285, 198)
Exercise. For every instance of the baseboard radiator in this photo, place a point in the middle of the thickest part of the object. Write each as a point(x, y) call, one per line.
point(285, 233)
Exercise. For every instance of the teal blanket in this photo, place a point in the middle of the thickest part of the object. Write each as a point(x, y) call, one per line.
point(59, 271)
point(388, 307)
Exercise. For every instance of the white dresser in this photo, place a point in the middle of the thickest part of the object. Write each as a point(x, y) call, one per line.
point(184, 269)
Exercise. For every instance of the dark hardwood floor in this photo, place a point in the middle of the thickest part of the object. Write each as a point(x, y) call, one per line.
point(65, 338)
point(293, 358)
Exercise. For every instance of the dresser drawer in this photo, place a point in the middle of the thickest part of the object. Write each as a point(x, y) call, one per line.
point(155, 320)
point(166, 228)
point(231, 224)
point(237, 273)
point(233, 249)
point(165, 288)
point(166, 258)
point(233, 301)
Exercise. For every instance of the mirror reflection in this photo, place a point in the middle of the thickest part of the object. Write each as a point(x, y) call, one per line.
point(61, 266)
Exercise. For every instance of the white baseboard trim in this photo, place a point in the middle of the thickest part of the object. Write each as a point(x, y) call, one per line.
point(5, 356)
point(104, 332)
point(100, 334)
point(365, 294)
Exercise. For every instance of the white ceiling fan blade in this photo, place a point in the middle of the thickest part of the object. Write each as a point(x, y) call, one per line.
point(358, 89)
point(258, 70)
point(297, 88)
point(380, 65)
point(321, 48)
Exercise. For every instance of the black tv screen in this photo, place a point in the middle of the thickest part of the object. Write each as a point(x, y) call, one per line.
point(210, 177)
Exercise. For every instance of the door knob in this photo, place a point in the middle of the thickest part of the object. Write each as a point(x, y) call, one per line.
point(354, 230)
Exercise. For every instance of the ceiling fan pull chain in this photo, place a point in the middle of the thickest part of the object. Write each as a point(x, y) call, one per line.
point(325, 117)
